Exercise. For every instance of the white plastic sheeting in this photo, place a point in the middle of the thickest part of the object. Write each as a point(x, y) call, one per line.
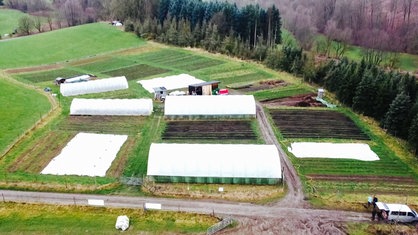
point(215, 105)
point(94, 86)
point(214, 160)
point(333, 150)
point(86, 154)
point(122, 222)
point(126, 107)
point(170, 82)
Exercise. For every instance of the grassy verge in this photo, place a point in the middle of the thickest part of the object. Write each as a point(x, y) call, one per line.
point(16, 218)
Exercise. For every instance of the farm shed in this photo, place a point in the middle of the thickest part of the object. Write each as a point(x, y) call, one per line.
point(236, 106)
point(120, 107)
point(94, 86)
point(170, 82)
point(204, 88)
point(214, 163)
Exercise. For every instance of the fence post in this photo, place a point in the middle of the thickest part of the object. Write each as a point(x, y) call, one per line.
point(3, 197)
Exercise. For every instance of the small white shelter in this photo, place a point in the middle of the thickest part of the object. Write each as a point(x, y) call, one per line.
point(210, 106)
point(214, 163)
point(170, 82)
point(119, 107)
point(94, 86)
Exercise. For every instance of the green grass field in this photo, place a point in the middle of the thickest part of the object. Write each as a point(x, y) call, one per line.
point(66, 44)
point(20, 109)
point(9, 20)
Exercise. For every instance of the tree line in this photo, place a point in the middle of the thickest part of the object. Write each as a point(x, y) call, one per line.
point(387, 96)
point(215, 26)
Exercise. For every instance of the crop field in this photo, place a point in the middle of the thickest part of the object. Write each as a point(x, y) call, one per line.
point(328, 177)
point(209, 130)
point(49, 75)
point(316, 124)
point(136, 72)
point(175, 59)
point(103, 124)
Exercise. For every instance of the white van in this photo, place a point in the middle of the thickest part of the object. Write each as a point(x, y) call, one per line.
point(397, 212)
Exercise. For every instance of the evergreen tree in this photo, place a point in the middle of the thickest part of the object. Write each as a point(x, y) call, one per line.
point(396, 118)
point(365, 94)
point(413, 134)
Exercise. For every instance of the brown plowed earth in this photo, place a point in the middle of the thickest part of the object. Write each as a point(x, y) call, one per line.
point(305, 100)
point(263, 85)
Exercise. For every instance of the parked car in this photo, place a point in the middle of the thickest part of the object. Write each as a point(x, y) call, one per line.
point(397, 212)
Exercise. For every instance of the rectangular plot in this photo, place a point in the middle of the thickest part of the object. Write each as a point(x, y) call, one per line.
point(137, 71)
point(49, 75)
point(106, 65)
point(302, 123)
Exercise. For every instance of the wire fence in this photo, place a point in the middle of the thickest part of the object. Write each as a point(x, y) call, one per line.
point(219, 226)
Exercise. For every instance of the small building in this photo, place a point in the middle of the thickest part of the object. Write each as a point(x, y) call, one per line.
point(160, 93)
point(321, 93)
point(204, 88)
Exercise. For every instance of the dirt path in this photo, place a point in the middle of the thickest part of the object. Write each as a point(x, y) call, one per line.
point(294, 198)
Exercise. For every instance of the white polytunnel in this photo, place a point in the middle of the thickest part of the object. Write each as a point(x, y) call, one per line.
point(94, 86)
point(116, 107)
point(169, 82)
point(214, 161)
point(213, 105)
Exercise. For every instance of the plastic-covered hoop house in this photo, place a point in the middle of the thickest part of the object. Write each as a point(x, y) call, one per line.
point(214, 163)
point(94, 86)
point(213, 106)
point(117, 107)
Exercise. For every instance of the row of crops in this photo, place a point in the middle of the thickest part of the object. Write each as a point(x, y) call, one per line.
point(389, 175)
point(209, 130)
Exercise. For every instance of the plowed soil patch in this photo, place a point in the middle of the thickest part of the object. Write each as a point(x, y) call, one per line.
point(263, 85)
point(305, 100)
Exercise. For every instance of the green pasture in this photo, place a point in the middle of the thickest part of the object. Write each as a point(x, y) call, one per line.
point(20, 109)
point(65, 44)
point(407, 62)
point(16, 218)
point(9, 20)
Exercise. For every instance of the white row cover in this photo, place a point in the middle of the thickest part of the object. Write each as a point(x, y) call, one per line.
point(126, 107)
point(214, 160)
point(333, 150)
point(94, 86)
point(86, 154)
point(170, 82)
point(222, 105)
